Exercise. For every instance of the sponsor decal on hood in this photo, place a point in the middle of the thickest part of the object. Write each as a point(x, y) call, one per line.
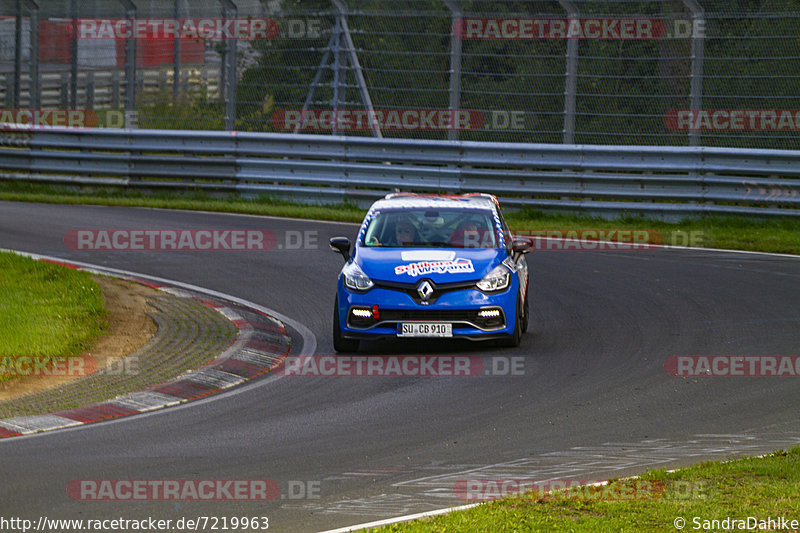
point(452, 266)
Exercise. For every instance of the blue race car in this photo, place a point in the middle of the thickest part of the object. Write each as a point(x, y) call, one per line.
point(432, 266)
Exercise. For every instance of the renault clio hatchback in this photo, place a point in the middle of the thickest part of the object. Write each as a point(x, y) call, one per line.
point(431, 266)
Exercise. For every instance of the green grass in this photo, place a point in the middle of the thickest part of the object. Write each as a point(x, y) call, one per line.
point(46, 310)
point(27, 192)
point(778, 234)
point(750, 487)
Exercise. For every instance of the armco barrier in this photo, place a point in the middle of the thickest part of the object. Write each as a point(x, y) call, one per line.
point(609, 180)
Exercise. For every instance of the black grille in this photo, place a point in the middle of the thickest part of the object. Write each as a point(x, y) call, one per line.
point(438, 288)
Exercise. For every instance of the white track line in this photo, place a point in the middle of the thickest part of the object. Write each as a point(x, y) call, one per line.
point(406, 518)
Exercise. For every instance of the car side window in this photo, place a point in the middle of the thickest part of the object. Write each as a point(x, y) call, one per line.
point(509, 238)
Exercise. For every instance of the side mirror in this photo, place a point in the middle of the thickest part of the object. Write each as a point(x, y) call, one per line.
point(519, 247)
point(341, 245)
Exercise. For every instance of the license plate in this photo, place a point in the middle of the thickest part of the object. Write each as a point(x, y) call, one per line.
point(425, 329)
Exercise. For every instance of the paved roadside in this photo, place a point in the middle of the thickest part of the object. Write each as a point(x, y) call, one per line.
point(201, 346)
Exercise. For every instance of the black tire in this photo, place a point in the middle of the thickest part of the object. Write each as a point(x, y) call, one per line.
point(513, 340)
point(525, 313)
point(340, 344)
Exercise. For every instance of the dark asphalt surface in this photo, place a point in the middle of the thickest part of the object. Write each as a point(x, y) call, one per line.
point(594, 399)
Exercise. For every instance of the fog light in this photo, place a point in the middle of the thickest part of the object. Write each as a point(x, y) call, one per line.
point(489, 313)
point(361, 313)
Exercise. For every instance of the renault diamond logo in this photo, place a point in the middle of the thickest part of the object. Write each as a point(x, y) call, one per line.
point(425, 289)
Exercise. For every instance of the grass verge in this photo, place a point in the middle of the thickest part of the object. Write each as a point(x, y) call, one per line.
point(200, 201)
point(45, 310)
point(698, 498)
point(777, 235)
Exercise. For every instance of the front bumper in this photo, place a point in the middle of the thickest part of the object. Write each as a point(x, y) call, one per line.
point(473, 314)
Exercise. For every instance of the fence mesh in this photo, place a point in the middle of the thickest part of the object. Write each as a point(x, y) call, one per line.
point(671, 72)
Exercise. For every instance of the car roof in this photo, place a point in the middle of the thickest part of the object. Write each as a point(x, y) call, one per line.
point(470, 201)
point(412, 200)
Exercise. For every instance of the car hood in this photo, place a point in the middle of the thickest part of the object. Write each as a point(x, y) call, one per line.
point(441, 265)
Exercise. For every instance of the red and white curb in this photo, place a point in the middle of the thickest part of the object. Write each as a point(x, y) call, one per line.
point(261, 345)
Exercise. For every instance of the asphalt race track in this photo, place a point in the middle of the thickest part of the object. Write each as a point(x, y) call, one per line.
point(594, 400)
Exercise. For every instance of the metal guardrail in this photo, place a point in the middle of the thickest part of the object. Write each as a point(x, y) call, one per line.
point(609, 180)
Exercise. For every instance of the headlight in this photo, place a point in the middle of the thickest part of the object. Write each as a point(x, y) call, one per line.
point(355, 279)
point(496, 280)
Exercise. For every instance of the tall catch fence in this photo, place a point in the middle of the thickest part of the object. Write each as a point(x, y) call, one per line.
point(628, 72)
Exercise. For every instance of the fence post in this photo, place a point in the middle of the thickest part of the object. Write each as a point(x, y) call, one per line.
point(35, 100)
point(73, 47)
point(455, 64)
point(229, 11)
point(571, 81)
point(130, 67)
point(339, 89)
point(176, 59)
point(17, 54)
point(696, 81)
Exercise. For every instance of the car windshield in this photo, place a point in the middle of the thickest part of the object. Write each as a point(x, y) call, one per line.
point(453, 228)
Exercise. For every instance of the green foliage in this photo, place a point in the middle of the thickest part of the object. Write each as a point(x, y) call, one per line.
point(624, 87)
point(198, 113)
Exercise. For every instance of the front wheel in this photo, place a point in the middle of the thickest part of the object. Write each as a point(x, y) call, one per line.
point(340, 344)
point(526, 313)
point(515, 338)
